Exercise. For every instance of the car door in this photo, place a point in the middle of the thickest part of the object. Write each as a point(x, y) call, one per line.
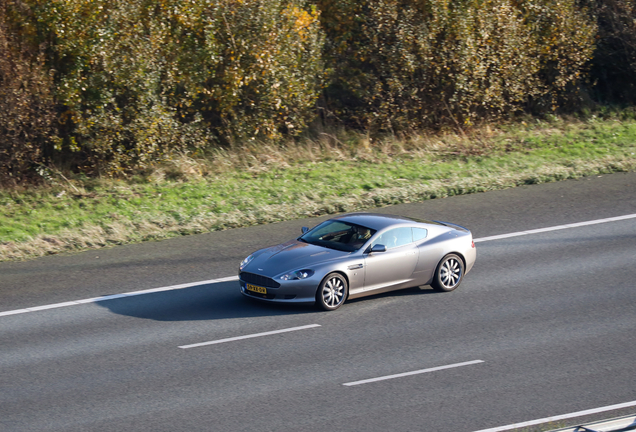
point(393, 268)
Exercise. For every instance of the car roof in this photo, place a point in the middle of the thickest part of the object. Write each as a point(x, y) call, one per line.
point(379, 221)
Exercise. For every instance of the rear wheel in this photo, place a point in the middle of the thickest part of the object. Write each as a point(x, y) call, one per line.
point(449, 273)
point(332, 292)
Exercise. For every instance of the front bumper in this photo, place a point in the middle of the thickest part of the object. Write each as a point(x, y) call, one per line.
point(297, 291)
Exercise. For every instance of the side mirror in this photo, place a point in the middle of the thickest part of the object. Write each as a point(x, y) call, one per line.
point(378, 248)
point(304, 230)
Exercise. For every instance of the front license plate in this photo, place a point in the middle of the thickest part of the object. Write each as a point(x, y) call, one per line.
point(257, 289)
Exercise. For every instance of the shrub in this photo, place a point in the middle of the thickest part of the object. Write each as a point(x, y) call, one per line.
point(256, 70)
point(614, 64)
point(27, 115)
point(399, 64)
point(138, 81)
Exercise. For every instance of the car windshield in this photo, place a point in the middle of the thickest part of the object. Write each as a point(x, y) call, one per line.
point(342, 236)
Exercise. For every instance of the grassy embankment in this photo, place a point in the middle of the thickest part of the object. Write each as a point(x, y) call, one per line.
point(253, 185)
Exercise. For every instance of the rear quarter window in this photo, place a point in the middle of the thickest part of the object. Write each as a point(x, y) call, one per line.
point(419, 234)
point(395, 237)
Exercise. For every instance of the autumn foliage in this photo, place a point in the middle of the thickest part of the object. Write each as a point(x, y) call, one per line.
point(412, 64)
point(136, 81)
point(107, 87)
point(614, 66)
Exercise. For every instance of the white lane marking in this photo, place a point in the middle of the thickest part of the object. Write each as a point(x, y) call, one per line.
point(417, 372)
point(255, 335)
point(233, 278)
point(116, 296)
point(555, 228)
point(560, 417)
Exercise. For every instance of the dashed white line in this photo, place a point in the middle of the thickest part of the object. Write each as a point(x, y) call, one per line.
point(255, 335)
point(417, 372)
point(233, 278)
point(560, 417)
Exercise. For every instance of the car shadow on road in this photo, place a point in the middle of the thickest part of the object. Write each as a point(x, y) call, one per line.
point(202, 302)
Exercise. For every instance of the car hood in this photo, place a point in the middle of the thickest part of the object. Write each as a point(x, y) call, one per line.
point(293, 255)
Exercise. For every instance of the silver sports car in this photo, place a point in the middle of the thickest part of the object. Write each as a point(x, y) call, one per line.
point(356, 255)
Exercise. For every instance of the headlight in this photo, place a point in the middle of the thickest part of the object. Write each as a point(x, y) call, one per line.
point(246, 261)
point(297, 275)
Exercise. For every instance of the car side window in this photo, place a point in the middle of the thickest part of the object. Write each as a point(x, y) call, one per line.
point(419, 234)
point(395, 238)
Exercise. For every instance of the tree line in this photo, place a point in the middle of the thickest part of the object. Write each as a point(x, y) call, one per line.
point(107, 87)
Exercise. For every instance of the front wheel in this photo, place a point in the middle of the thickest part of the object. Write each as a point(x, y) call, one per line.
point(449, 273)
point(332, 292)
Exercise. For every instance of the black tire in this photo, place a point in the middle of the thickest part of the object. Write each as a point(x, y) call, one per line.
point(449, 273)
point(332, 292)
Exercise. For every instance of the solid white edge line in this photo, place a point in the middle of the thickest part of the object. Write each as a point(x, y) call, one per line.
point(116, 296)
point(555, 228)
point(255, 335)
point(560, 417)
point(51, 306)
point(14, 312)
point(417, 372)
point(233, 278)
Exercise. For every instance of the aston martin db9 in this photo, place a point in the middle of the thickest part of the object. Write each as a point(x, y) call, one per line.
point(357, 255)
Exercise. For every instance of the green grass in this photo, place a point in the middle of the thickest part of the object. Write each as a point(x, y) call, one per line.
point(334, 173)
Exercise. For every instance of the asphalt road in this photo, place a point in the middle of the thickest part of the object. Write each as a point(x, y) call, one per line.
point(544, 325)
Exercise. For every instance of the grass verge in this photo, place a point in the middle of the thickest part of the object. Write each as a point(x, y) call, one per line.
point(333, 173)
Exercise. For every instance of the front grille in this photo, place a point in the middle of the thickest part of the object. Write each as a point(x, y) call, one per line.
point(259, 295)
point(258, 280)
